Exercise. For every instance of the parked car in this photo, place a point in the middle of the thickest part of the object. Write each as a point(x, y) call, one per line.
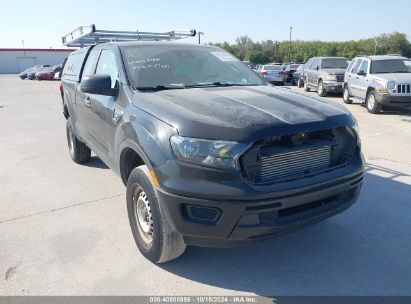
point(298, 76)
point(211, 155)
point(325, 74)
point(289, 71)
point(45, 74)
point(272, 73)
point(378, 81)
point(23, 75)
point(31, 75)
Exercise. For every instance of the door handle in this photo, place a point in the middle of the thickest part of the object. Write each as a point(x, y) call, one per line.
point(117, 115)
point(87, 101)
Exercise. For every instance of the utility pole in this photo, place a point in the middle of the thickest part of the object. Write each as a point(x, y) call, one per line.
point(199, 36)
point(289, 46)
point(375, 47)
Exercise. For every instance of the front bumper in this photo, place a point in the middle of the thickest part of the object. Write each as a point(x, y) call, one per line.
point(333, 86)
point(240, 222)
point(394, 100)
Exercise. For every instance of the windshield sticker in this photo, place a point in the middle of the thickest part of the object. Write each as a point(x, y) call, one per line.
point(223, 56)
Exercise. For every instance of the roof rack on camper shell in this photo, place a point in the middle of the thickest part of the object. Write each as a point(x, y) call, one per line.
point(86, 35)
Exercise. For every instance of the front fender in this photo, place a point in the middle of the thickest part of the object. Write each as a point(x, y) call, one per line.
point(147, 136)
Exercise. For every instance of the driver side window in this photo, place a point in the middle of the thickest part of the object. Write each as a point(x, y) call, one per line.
point(107, 65)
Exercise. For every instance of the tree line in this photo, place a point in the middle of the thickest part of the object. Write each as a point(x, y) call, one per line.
point(278, 51)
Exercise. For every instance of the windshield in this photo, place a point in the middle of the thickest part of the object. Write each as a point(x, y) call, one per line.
point(174, 66)
point(334, 63)
point(389, 66)
point(272, 67)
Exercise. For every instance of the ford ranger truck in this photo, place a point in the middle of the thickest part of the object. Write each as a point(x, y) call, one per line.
point(211, 154)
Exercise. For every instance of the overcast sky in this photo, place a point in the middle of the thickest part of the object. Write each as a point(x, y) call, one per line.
point(41, 23)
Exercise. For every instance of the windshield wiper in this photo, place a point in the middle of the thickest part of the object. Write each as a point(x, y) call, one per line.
point(219, 84)
point(161, 87)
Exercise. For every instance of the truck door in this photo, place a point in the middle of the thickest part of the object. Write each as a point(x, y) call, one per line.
point(82, 99)
point(102, 112)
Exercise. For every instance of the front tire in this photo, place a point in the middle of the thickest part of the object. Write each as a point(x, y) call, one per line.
point(372, 104)
point(154, 237)
point(346, 95)
point(320, 89)
point(78, 150)
point(306, 88)
point(299, 83)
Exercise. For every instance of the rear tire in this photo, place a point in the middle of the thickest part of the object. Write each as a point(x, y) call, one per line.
point(372, 104)
point(78, 150)
point(320, 89)
point(154, 237)
point(346, 95)
point(306, 88)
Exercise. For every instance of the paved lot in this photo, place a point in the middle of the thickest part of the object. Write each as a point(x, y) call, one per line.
point(64, 227)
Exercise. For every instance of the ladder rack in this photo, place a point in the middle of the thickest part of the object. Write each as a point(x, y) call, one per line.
point(86, 35)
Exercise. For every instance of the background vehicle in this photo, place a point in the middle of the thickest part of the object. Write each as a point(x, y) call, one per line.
point(31, 75)
point(298, 76)
point(210, 154)
point(23, 75)
point(289, 71)
point(378, 81)
point(272, 73)
point(48, 73)
point(325, 74)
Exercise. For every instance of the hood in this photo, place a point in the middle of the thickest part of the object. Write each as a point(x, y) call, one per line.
point(242, 114)
point(396, 77)
point(334, 71)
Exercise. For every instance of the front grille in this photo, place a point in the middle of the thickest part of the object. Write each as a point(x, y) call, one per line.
point(295, 164)
point(286, 158)
point(403, 88)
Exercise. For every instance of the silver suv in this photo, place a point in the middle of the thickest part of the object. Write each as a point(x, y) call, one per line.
point(378, 81)
point(325, 74)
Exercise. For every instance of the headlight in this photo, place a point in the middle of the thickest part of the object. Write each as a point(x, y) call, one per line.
point(219, 154)
point(330, 77)
point(390, 85)
point(356, 128)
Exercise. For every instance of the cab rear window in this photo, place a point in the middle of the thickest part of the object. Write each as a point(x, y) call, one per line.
point(74, 64)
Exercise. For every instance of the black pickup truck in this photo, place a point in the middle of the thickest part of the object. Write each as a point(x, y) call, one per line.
point(211, 155)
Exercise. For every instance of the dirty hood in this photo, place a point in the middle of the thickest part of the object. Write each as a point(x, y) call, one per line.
point(242, 114)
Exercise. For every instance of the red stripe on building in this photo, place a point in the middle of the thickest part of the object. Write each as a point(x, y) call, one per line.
point(37, 50)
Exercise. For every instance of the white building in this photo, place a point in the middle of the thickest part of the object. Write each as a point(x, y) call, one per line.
point(14, 61)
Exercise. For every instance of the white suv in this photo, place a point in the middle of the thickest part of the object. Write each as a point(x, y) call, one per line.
point(378, 81)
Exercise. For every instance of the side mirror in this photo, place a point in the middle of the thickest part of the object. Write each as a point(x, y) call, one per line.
point(316, 67)
point(361, 73)
point(98, 84)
